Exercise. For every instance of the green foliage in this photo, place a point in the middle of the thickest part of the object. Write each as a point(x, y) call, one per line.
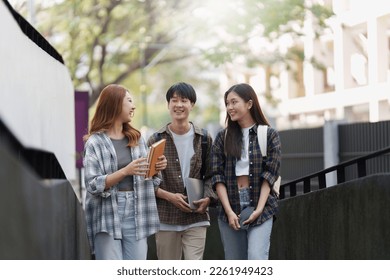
point(109, 41)
point(281, 16)
point(104, 42)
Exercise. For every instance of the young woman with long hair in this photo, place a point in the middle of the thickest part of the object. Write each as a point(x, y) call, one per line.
point(120, 206)
point(243, 179)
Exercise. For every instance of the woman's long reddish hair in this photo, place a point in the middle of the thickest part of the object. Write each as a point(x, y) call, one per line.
point(108, 108)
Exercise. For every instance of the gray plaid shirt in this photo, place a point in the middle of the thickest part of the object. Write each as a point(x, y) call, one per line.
point(101, 205)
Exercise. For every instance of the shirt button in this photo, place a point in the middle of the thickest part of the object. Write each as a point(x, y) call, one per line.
point(250, 175)
point(250, 187)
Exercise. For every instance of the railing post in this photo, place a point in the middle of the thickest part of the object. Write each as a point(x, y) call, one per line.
point(322, 181)
point(340, 174)
point(306, 185)
point(282, 193)
point(293, 189)
point(362, 171)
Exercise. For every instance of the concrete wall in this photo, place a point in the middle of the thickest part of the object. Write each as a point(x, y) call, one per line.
point(349, 221)
point(40, 220)
point(37, 95)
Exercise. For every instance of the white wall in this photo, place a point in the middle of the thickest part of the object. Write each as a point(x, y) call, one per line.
point(37, 95)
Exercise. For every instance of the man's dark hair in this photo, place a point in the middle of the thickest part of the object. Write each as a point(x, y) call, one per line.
point(183, 90)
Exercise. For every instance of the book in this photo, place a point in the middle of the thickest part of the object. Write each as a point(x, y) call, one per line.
point(156, 150)
point(194, 189)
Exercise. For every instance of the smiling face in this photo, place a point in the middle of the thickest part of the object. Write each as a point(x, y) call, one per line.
point(237, 109)
point(128, 108)
point(179, 107)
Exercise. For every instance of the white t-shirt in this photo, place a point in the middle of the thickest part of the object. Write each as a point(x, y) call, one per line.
point(242, 165)
point(185, 149)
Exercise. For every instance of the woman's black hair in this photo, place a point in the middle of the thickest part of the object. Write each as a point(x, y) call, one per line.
point(233, 136)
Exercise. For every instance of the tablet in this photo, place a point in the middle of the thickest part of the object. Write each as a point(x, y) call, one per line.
point(244, 215)
point(194, 190)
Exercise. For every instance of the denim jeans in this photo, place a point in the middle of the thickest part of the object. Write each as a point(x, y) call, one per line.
point(127, 248)
point(246, 244)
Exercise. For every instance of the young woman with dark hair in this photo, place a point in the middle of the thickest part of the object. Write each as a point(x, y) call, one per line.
point(243, 179)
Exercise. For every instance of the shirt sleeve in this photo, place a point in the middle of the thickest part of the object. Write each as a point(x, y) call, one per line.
point(95, 177)
point(208, 189)
point(271, 164)
point(218, 161)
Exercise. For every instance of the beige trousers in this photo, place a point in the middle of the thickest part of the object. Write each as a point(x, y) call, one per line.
point(190, 243)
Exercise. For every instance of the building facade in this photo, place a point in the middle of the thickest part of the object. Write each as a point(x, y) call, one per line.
point(352, 83)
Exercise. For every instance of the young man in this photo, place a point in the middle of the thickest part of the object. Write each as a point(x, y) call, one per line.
point(182, 230)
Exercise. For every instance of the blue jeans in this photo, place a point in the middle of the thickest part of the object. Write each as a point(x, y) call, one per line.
point(127, 248)
point(249, 244)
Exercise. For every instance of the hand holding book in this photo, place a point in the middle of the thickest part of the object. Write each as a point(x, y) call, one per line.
point(139, 167)
point(155, 154)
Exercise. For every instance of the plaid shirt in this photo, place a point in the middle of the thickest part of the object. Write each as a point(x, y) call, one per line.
point(101, 205)
point(224, 168)
point(173, 181)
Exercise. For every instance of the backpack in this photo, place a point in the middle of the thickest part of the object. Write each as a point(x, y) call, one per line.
point(204, 150)
point(262, 139)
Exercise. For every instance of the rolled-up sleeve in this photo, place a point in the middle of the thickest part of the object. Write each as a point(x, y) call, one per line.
point(218, 161)
point(94, 177)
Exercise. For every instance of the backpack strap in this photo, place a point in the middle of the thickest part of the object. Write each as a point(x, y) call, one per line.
point(262, 138)
point(157, 136)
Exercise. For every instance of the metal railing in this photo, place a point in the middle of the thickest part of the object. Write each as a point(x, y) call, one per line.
point(320, 177)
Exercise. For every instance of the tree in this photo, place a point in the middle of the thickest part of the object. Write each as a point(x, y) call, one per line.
point(111, 41)
point(106, 41)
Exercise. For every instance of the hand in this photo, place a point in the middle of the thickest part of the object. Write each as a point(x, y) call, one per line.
point(161, 163)
point(179, 200)
point(202, 205)
point(253, 217)
point(234, 221)
point(138, 167)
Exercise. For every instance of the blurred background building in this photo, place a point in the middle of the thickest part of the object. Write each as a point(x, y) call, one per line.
point(344, 74)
